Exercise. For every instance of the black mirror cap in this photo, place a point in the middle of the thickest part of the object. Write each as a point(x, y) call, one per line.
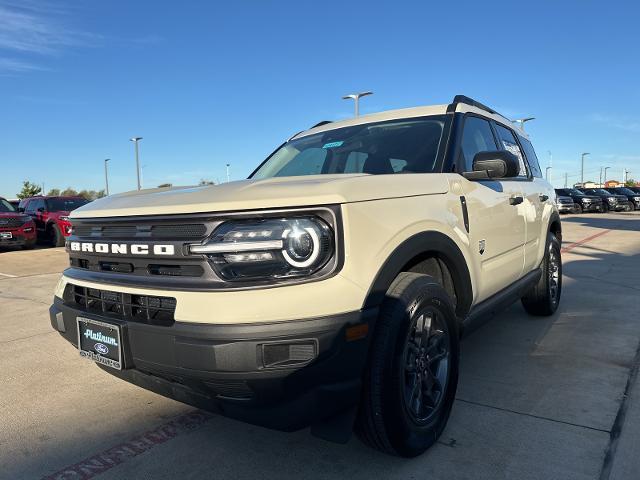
point(495, 164)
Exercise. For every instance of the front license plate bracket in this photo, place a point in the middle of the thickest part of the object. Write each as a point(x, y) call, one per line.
point(100, 341)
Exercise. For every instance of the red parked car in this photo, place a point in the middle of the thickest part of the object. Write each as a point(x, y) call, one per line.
point(16, 229)
point(51, 215)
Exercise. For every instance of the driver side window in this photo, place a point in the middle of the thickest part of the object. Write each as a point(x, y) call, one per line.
point(476, 137)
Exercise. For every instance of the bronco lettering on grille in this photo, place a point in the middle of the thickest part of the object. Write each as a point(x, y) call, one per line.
point(122, 248)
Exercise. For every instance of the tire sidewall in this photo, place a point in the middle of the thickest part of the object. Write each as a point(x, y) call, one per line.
point(57, 239)
point(407, 437)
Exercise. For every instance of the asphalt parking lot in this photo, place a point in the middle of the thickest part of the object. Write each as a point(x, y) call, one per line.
point(550, 398)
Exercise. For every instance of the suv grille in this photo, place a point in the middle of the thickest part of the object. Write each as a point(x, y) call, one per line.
point(11, 222)
point(136, 308)
point(195, 230)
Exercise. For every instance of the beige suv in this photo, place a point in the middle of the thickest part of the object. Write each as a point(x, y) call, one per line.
point(331, 288)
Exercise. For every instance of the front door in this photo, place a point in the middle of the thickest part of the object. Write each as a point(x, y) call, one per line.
point(496, 216)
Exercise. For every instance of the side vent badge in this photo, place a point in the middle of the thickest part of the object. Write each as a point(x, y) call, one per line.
point(481, 245)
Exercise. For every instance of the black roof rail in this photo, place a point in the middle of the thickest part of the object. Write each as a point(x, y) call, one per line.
point(468, 101)
point(323, 122)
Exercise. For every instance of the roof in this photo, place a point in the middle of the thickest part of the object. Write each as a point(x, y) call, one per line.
point(459, 105)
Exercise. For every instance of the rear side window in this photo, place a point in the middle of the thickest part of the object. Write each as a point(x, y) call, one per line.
point(510, 144)
point(30, 207)
point(476, 137)
point(532, 159)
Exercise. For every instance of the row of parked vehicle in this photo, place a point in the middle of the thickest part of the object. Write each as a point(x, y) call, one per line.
point(33, 219)
point(579, 200)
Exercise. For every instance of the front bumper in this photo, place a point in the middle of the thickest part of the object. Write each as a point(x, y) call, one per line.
point(223, 368)
point(592, 207)
point(18, 238)
point(565, 207)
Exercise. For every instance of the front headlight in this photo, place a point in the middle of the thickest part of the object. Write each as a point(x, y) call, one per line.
point(269, 248)
point(611, 200)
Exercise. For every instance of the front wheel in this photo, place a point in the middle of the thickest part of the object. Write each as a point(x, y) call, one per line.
point(543, 299)
point(577, 208)
point(412, 374)
point(57, 239)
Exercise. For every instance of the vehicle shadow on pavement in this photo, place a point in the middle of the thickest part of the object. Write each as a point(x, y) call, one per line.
point(622, 221)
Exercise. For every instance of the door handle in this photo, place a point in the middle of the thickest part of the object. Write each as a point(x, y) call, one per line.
point(544, 198)
point(516, 200)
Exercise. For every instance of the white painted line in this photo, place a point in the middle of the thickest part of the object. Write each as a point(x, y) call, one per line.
point(7, 275)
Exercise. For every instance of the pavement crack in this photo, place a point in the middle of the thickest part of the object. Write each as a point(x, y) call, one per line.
point(18, 297)
point(2, 342)
point(539, 417)
point(616, 430)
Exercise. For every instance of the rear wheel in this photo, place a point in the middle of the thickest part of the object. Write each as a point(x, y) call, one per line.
point(412, 375)
point(543, 299)
point(57, 238)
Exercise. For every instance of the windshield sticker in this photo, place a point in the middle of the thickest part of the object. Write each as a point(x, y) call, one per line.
point(332, 144)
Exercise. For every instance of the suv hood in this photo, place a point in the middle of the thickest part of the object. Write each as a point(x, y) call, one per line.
point(268, 193)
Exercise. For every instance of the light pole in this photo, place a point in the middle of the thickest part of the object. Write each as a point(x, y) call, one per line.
point(546, 173)
point(522, 121)
point(356, 97)
point(605, 175)
point(135, 141)
point(550, 165)
point(106, 176)
point(582, 169)
point(228, 176)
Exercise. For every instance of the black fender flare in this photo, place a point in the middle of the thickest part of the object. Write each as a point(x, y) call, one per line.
point(419, 244)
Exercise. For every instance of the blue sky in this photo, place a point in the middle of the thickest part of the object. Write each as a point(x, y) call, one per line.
point(209, 83)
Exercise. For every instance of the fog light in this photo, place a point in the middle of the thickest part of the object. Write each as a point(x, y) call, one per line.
point(288, 354)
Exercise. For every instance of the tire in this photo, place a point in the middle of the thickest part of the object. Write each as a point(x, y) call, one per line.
point(57, 239)
point(605, 207)
point(407, 393)
point(543, 299)
point(577, 208)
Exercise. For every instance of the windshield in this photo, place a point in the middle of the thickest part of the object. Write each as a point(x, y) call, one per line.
point(65, 204)
point(600, 191)
point(6, 207)
point(398, 146)
point(573, 191)
point(625, 191)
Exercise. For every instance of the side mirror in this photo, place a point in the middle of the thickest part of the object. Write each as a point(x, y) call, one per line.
point(42, 209)
point(489, 165)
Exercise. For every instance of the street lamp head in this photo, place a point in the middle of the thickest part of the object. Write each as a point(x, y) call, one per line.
point(355, 96)
point(586, 153)
point(106, 160)
point(135, 139)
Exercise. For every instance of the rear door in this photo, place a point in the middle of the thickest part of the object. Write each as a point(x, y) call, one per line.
point(536, 193)
point(496, 215)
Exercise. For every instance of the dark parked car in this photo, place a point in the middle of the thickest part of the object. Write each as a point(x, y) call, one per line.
point(633, 197)
point(610, 201)
point(51, 215)
point(583, 203)
point(634, 189)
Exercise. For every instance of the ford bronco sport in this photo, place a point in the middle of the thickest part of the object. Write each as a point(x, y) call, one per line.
point(331, 288)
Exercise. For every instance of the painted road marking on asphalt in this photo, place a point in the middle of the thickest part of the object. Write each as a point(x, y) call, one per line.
point(7, 275)
point(583, 241)
point(106, 460)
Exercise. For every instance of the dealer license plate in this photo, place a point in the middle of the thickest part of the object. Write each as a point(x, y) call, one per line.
point(100, 342)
